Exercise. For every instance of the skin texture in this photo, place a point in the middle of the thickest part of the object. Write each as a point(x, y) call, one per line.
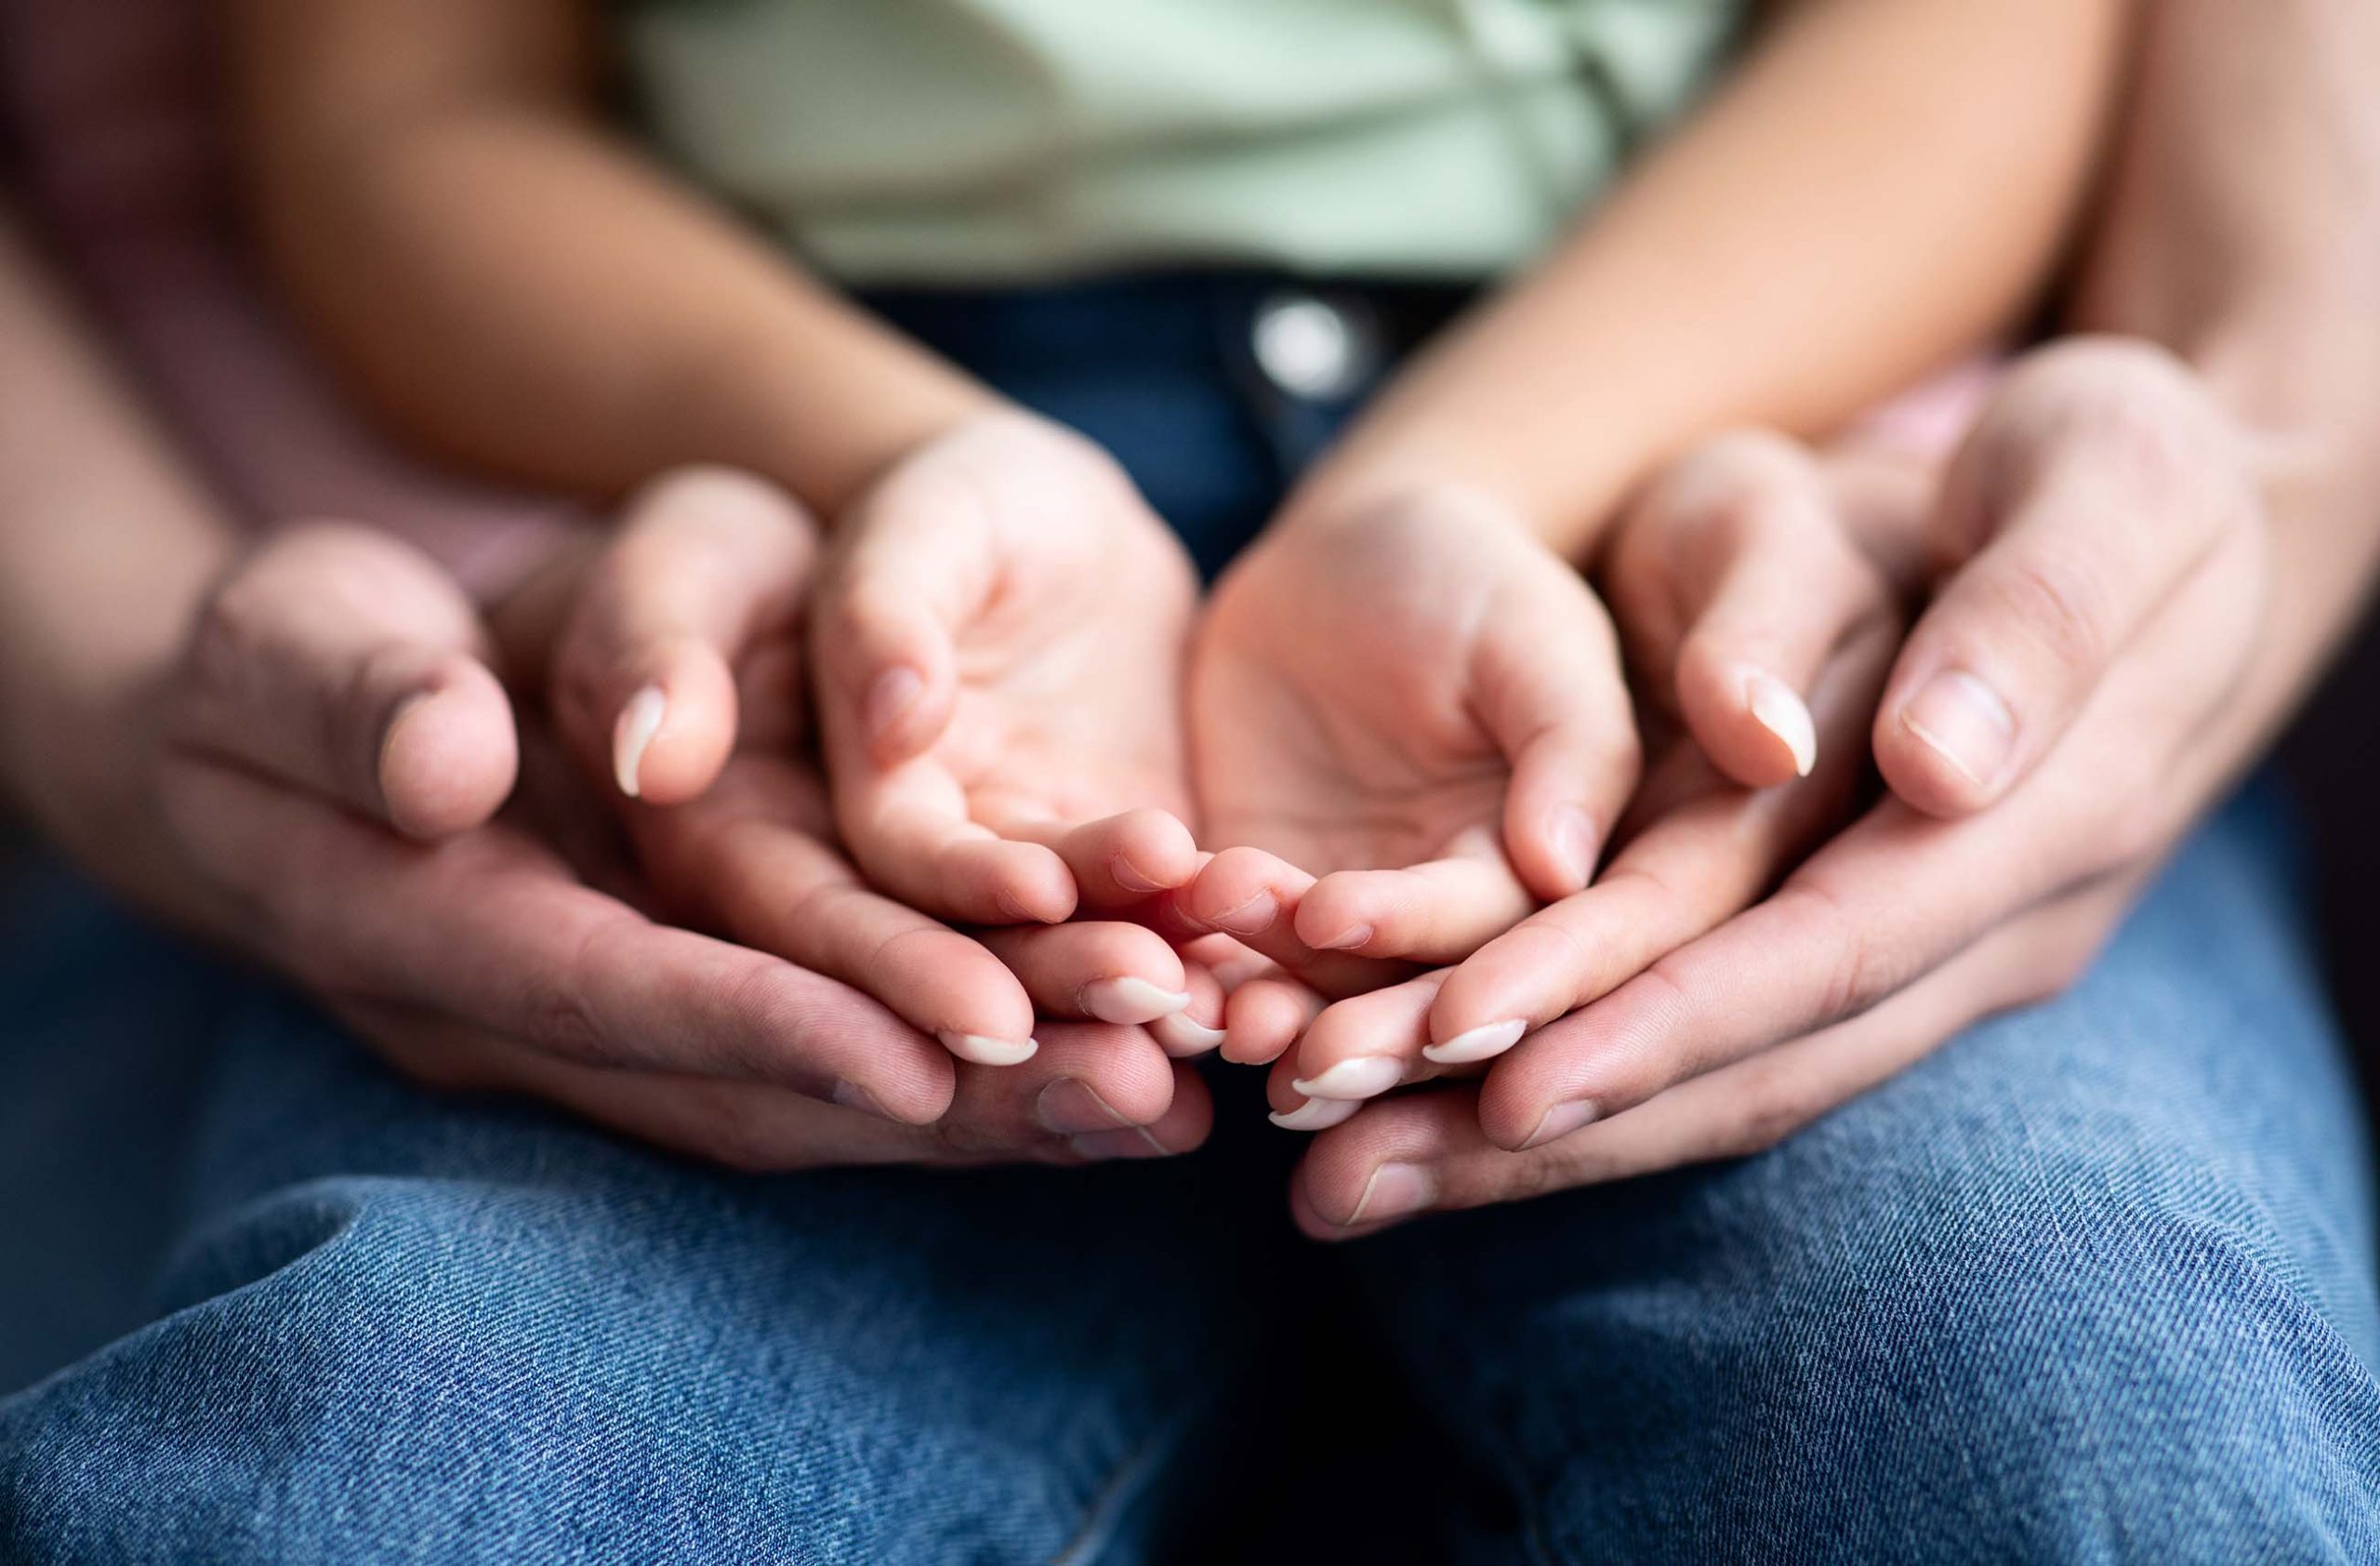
point(305, 771)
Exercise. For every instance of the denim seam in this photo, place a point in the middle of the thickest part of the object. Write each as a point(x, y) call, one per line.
point(1096, 1530)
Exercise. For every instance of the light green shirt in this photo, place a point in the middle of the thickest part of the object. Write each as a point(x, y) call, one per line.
point(998, 140)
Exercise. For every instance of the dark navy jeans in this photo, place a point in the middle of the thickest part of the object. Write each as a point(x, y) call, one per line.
point(2093, 1282)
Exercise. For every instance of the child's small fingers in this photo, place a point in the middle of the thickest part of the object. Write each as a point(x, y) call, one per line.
point(1548, 688)
point(1100, 970)
point(1264, 1017)
point(1254, 896)
point(1438, 911)
point(1198, 1027)
point(910, 829)
point(1119, 861)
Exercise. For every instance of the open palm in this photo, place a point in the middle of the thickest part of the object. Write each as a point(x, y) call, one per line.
point(1420, 705)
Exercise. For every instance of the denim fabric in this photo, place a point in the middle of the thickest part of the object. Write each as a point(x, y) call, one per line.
point(2093, 1282)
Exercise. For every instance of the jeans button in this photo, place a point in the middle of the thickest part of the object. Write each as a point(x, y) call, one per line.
point(1310, 348)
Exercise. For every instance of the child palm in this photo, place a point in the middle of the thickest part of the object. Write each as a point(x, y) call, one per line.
point(1418, 703)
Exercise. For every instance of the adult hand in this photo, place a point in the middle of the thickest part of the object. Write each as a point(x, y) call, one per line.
point(294, 737)
point(2115, 605)
point(1418, 703)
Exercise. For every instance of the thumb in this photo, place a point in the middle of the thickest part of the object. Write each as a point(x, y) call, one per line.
point(709, 569)
point(2099, 479)
point(342, 661)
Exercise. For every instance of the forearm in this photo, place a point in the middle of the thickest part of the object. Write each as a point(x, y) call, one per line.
point(2242, 230)
point(1808, 244)
point(511, 283)
point(106, 546)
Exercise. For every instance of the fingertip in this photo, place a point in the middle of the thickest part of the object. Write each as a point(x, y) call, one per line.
point(448, 755)
point(1946, 748)
point(1242, 891)
point(1753, 726)
point(996, 880)
point(1150, 851)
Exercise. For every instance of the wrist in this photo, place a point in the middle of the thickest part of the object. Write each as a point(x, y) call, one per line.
point(891, 398)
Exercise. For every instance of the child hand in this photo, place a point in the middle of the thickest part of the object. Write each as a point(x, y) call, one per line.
point(678, 676)
point(1421, 704)
point(1739, 584)
point(1000, 636)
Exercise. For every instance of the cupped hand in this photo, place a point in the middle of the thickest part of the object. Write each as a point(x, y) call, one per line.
point(1000, 635)
point(1416, 703)
point(335, 687)
point(1759, 635)
point(2117, 609)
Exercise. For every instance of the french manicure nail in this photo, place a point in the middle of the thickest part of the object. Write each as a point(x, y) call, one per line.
point(1070, 1107)
point(1315, 1114)
point(638, 722)
point(1137, 1141)
point(1367, 1076)
point(1181, 1038)
point(889, 699)
point(1965, 722)
point(1477, 1043)
point(1776, 707)
point(989, 1051)
point(1347, 939)
point(1574, 842)
point(1131, 1000)
point(1560, 1120)
point(1395, 1190)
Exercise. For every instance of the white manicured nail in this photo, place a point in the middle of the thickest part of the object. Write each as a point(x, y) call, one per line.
point(1316, 1114)
point(1367, 1076)
point(1131, 1000)
point(1182, 1038)
point(640, 720)
point(1478, 1044)
point(989, 1051)
point(1777, 710)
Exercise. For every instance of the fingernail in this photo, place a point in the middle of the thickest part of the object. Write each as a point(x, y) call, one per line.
point(889, 699)
point(640, 720)
point(1131, 1000)
point(1070, 1107)
point(1395, 1190)
point(989, 1051)
point(1128, 875)
point(1136, 1141)
point(1477, 1043)
point(1249, 917)
point(1965, 722)
point(1574, 843)
point(1559, 1122)
point(1315, 1114)
point(1181, 1038)
point(1365, 1076)
point(1347, 939)
point(1776, 707)
point(851, 1095)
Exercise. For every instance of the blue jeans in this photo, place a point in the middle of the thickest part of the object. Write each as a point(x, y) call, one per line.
point(2092, 1281)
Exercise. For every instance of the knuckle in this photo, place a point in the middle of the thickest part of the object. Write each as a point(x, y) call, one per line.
point(1864, 968)
point(2057, 606)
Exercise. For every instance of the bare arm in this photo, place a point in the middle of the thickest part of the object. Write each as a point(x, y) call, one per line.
point(513, 284)
point(1880, 184)
point(86, 484)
